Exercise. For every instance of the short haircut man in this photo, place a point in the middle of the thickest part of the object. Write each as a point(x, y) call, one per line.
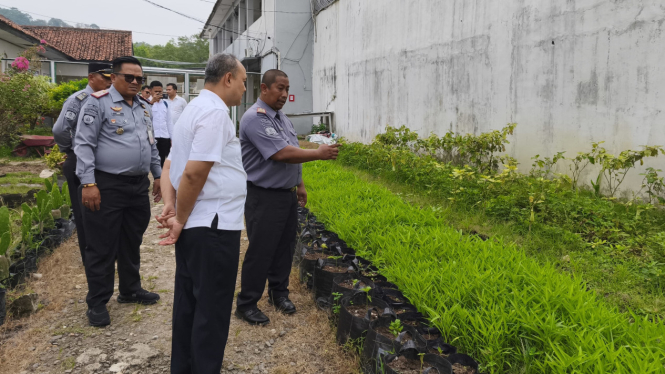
point(272, 158)
point(205, 186)
point(173, 85)
point(270, 76)
point(154, 84)
point(118, 62)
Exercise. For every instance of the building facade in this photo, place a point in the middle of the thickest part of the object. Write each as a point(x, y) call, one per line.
point(568, 72)
point(264, 35)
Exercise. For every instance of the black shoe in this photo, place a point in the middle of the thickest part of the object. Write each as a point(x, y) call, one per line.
point(283, 304)
point(98, 316)
point(142, 297)
point(253, 317)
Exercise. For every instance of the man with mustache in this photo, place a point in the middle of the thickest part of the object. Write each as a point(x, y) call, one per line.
point(115, 149)
point(271, 156)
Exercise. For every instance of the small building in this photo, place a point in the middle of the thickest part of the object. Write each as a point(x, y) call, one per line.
point(264, 35)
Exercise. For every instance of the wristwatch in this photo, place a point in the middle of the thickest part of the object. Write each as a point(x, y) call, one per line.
point(88, 185)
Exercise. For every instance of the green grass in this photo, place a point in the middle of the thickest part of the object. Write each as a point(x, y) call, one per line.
point(620, 279)
point(12, 179)
point(513, 313)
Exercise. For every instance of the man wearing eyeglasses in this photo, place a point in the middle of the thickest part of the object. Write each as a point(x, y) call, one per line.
point(99, 78)
point(115, 150)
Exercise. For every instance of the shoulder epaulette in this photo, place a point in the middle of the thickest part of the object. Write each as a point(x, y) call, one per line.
point(260, 110)
point(99, 94)
point(82, 96)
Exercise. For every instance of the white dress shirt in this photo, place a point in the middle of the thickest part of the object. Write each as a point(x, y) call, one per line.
point(205, 132)
point(161, 120)
point(176, 106)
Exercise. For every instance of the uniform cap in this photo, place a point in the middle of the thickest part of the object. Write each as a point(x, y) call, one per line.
point(101, 68)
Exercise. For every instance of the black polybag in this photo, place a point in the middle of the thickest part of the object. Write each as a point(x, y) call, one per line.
point(323, 280)
point(375, 341)
point(352, 327)
point(464, 360)
point(435, 364)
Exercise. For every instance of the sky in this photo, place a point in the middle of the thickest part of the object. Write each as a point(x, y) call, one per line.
point(138, 16)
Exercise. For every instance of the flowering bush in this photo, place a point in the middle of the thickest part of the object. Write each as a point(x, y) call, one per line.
point(23, 96)
point(21, 64)
point(61, 92)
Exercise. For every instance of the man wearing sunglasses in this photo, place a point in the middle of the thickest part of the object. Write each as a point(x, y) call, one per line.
point(115, 150)
point(99, 78)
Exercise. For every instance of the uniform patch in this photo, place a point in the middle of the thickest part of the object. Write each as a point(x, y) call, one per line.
point(99, 94)
point(70, 115)
point(260, 110)
point(88, 119)
point(270, 131)
point(82, 96)
point(116, 108)
point(112, 121)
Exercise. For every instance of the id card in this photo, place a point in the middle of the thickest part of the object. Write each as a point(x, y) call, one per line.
point(151, 134)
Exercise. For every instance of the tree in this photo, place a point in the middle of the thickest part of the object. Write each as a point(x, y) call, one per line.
point(21, 18)
point(185, 49)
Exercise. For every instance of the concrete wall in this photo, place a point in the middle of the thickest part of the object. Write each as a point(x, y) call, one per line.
point(569, 72)
point(285, 27)
point(295, 41)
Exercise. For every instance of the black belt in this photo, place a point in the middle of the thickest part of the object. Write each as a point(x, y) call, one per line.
point(250, 184)
point(133, 179)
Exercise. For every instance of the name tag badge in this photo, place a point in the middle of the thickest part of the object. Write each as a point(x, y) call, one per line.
point(151, 134)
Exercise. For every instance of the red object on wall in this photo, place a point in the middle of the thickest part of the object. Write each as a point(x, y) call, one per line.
point(292, 97)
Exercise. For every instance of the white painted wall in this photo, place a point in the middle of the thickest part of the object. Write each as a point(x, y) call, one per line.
point(10, 50)
point(569, 72)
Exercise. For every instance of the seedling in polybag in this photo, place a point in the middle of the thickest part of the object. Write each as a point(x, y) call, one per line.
point(334, 257)
point(396, 327)
point(355, 281)
point(422, 360)
point(366, 291)
point(336, 307)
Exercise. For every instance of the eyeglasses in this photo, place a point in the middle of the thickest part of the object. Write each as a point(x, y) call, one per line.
point(129, 78)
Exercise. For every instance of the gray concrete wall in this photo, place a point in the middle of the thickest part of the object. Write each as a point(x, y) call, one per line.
point(285, 26)
point(295, 41)
point(569, 72)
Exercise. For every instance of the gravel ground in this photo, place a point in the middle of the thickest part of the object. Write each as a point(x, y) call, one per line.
point(57, 339)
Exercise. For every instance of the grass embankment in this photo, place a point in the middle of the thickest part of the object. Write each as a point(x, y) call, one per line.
point(512, 312)
point(20, 182)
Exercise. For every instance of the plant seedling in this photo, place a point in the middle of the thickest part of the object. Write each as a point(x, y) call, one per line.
point(396, 327)
point(336, 307)
point(422, 360)
point(366, 291)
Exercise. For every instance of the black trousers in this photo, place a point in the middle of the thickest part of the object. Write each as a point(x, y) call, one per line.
point(205, 279)
point(271, 217)
point(164, 148)
point(69, 170)
point(115, 231)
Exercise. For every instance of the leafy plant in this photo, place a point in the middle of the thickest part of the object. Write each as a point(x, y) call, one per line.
point(396, 327)
point(319, 127)
point(336, 306)
point(59, 94)
point(54, 158)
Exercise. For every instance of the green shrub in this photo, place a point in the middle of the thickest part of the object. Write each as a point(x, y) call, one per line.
point(511, 312)
point(533, 200)
point(61, 92)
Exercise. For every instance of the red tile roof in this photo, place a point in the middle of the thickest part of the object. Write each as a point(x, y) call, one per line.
point(86, 44)
point(16, 26)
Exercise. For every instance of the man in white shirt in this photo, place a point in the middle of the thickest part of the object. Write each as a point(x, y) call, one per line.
point(176, 103)
point(161, 120)
point(205, 187)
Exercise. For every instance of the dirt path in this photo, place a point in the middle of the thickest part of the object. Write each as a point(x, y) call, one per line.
point(58, 340)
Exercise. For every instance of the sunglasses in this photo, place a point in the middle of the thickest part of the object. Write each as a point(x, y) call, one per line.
point(129, 78)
